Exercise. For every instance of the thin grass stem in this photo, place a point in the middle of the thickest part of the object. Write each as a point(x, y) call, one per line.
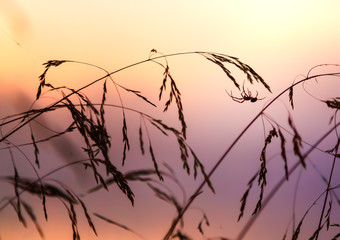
point(327, 190)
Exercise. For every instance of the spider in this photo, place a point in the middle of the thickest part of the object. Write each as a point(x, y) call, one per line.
point(245, 96)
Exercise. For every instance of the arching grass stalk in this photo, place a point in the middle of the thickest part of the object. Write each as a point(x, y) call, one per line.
point(86, 86)
point(222, 158)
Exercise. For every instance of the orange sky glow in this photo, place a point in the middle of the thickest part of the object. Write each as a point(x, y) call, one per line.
point(280, 40)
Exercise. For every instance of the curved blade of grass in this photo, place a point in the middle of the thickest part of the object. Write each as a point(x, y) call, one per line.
point(117, 224)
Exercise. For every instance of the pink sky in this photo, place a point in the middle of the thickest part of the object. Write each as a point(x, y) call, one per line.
point(280, 40)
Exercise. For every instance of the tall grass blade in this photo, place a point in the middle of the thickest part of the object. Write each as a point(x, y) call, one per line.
point(125, 139)
point(31, 214)
point(138, 94)
point(283, 153)
point(117, 224)
point(36, 150)
point(73, 217)
point(141, 143)
point(20, 216)
point(112, 222)
point(16, 180)
point(297, 142)
point(102, 110)
point(89, 220)
point(155, 162)
point(245, 196)
point(291, 97)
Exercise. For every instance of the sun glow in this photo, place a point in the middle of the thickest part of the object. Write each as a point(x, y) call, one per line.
point(279, 39)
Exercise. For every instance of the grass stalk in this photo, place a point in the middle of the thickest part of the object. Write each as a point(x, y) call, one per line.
point(327, 190)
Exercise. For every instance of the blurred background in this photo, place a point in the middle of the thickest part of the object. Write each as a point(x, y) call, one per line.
point(281, 41)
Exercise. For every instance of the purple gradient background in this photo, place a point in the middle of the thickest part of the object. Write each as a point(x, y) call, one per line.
point(279, 40)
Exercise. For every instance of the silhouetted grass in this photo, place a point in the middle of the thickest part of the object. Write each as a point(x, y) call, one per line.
point(89, 120)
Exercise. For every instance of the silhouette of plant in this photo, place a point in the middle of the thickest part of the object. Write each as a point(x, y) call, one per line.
point(89, 121)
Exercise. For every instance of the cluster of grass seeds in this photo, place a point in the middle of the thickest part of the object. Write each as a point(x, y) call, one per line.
point(262, 180)
point(261, 174)
point(221, 59)
point(174, 91)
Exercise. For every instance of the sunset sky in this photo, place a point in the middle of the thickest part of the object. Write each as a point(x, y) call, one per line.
point(280, 40)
